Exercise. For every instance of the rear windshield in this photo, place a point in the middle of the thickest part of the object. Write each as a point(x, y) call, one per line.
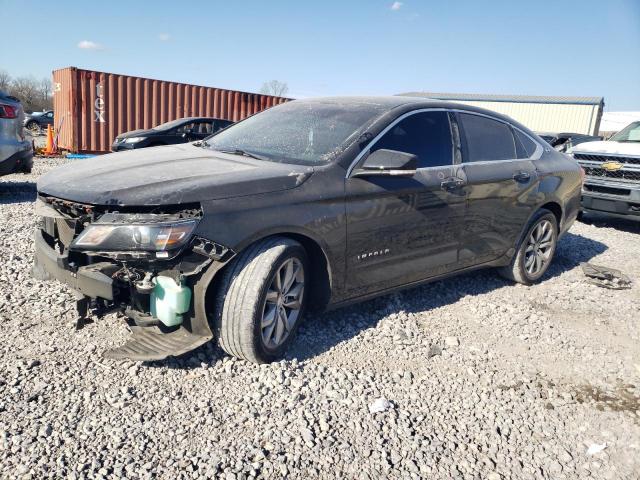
point(305, 132)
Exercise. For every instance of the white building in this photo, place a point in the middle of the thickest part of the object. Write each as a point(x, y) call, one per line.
point(613, 122)
point(540, 114)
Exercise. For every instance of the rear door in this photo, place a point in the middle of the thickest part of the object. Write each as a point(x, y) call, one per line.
point(400, 230)
point(501, 185)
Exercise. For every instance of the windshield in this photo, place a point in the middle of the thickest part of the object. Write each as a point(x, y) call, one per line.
point(305, 132)
point(630, 133)
point(169, 125)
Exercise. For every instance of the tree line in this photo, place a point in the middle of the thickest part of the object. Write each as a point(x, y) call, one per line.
point(34, 94)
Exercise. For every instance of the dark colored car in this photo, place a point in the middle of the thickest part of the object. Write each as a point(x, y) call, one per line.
point(37, 121)
point(16, 152)
point(182, 130)
point(563, 142)
point(310, 204)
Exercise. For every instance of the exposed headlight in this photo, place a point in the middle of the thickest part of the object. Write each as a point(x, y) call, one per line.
point(133, 139)
point(105, 235)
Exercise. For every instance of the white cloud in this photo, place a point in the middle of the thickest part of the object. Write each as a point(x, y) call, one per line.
point(164, 37)
point(89, 45)
point(396, 5)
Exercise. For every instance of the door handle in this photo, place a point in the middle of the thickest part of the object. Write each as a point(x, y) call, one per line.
point(452, 183)
point(521, 177)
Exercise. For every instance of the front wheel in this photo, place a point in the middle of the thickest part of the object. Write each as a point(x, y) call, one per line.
point(261, 300)
point(33, 127)
point(535, 251)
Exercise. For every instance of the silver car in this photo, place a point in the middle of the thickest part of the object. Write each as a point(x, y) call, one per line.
point(16, 152)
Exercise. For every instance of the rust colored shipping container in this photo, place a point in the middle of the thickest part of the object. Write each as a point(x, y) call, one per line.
point(92, 108)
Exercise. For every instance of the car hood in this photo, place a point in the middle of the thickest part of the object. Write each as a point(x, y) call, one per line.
point(168, 175)
point(619, 148)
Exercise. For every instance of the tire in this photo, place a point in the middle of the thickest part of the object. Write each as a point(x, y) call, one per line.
point(33, 127)
point(521, 269)
point(247, 297)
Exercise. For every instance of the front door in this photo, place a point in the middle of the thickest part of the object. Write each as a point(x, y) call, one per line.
point(401, 230)
point(501, 186)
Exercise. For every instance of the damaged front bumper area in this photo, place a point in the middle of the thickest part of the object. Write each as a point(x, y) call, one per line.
point(162, 296)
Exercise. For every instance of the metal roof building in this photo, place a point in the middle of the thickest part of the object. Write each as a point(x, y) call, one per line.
point(540, 114)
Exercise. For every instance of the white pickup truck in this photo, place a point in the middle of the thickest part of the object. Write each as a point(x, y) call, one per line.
point(612, 168)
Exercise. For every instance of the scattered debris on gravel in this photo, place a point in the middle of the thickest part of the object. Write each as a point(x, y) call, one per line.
point(471, 377)
point(606, 277)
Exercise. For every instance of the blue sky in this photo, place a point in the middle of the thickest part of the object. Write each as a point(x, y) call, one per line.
point(541, 47)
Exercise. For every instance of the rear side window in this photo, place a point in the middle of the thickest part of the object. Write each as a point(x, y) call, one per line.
point(426, 135)
point(204, 127)
point(487, 139)
point(525, 147)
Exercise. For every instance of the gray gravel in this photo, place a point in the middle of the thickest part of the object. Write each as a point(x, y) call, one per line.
point(476, 377)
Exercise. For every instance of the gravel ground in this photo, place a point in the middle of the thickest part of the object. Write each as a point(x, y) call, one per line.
point(483, 379)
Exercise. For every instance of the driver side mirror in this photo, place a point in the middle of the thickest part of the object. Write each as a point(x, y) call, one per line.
point(388, 163)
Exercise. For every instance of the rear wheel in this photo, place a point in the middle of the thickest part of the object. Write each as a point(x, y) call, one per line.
point(33, 127)
point(535, 251)
point(261, 300)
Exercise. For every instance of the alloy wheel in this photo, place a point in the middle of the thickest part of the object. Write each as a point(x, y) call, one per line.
point(283, 303)
point(540, 245)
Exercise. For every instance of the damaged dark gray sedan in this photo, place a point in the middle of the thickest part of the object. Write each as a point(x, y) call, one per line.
point(308, 205)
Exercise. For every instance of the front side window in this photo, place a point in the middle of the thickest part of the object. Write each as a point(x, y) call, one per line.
point(426, 135)
point(187, 127)
point(487, 139)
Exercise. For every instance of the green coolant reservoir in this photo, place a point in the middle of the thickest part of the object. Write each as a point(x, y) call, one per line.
point(169, 300)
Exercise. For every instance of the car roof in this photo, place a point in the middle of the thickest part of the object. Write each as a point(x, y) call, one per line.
point(565, 134)
point(191, 119)
point(5, 96)
point(393, 101)
point(405, 104)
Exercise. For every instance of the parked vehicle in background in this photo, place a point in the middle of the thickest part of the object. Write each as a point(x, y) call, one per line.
point(564, 141)
point(309, 204)
point(16, 152)
point(612, 168)
point(37, 121)
point(182, 130)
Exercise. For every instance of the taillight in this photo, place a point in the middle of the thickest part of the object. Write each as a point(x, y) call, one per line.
point(7, 111)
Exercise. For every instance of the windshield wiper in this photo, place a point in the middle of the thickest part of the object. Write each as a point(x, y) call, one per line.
point(244, 153)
